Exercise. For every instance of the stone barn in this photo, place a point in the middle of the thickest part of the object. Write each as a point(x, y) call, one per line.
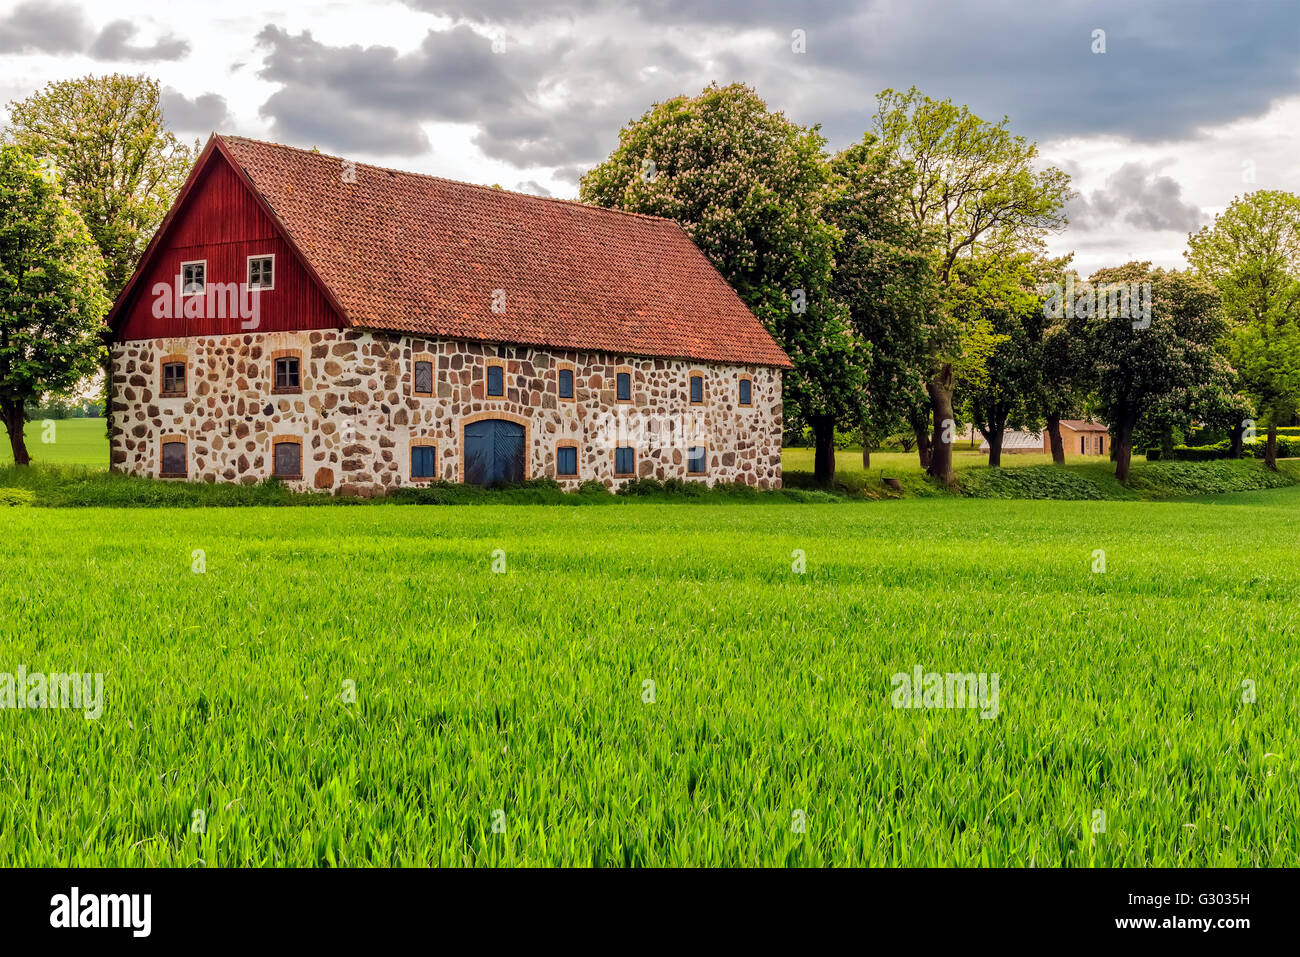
point(356, 329)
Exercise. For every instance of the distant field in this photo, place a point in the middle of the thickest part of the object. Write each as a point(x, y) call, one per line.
point(74, 442)
point(1146, 714)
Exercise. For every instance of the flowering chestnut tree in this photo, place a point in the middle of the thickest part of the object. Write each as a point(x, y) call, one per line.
point(750, 188)
point(52, 299)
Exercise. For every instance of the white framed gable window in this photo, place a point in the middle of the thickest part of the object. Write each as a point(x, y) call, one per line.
point(194, 277)
point(261, 272)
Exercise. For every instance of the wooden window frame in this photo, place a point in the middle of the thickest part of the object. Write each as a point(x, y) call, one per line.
point(750, 403)
point(573, 373)
point(631, 385)
point(283, 440)
point(703, 472)
point(163, 442)
point(276, 356)
point(487, 393)
point(631, 474)
point(419, 443)
point(248, 272)
point(173, 360)
point(430, 358)
point(194, 262)
point(577, 459)
point(704, 388)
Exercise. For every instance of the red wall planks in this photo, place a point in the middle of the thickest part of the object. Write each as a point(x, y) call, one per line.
point(222, 223)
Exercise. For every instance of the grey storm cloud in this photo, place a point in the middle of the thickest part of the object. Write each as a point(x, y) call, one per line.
point(114, 43)
point(373, 99)
point(206, 113)
point(1137, 196)
point(575, 71)
point(37, 27)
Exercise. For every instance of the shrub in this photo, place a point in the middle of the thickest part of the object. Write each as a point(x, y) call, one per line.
point(16, 497)
point(641, 486)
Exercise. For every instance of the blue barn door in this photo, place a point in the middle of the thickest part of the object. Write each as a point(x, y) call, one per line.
point(494, 452)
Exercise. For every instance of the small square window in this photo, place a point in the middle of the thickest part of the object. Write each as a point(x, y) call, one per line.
point(624, 380)
point(746, 392)
point(566, 461)
point(287, 374)
point(697, 389)
point(496, 380)
point(625, 461)
point(288, 460)
point(695, 460)
point(173, 458)
point(423, 461)
point(193, 278)
point(173, 380)
point(424, 378)
point(261, 272)
point(566, 383)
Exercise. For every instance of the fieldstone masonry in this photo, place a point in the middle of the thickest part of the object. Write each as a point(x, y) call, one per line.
point(357, 414)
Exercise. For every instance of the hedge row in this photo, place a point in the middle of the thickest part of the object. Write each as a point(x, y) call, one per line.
point(1288, 446)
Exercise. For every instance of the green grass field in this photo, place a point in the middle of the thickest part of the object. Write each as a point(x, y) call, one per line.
point(71, 442)
point(520, 699)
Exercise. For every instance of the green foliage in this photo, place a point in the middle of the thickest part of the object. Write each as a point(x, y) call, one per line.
point(10, 497)
point(884, 280)
point(750, 188)
point(976, 193)
point(52, 300)
point(1251, 253)
point(1167, 370)
point(117, 164)
point(1030, 481)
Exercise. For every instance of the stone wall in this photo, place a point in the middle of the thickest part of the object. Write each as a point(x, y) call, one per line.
point(357, 415)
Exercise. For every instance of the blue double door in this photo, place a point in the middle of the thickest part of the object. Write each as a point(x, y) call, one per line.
point(494, 452)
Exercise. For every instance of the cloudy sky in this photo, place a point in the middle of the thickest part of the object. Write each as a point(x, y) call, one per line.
point(1191, 102)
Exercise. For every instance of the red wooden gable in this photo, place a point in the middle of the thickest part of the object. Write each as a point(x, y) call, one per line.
point(219, 218)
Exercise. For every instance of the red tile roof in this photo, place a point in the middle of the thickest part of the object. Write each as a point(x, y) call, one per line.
point(1079, 425)
point(422, 255)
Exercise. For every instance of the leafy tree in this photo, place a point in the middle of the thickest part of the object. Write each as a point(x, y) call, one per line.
point(1135, 366)
point(975, 191)
point(52, 301)
point(119, 167)
point(1006, 390)
point(884, 279)
point(1251, 253)
point(750, 187)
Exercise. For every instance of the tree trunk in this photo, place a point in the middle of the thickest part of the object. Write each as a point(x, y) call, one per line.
point(1054, 437)
point(940, 389)
point(1270, 448)
point(1167, 442)
point(14, 421)
point(921, 430)
point(1238, 436)
point(824, 458)
point(866, 455)
point(1123, 446)
point(994, 438)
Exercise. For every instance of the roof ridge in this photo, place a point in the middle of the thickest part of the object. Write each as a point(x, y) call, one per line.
point(494, 190)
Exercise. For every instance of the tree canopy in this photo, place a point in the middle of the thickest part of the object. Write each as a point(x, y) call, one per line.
point(52, 299)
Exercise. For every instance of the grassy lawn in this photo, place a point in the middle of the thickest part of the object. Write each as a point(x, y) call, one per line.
point(72, 442)
point(526, 692)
